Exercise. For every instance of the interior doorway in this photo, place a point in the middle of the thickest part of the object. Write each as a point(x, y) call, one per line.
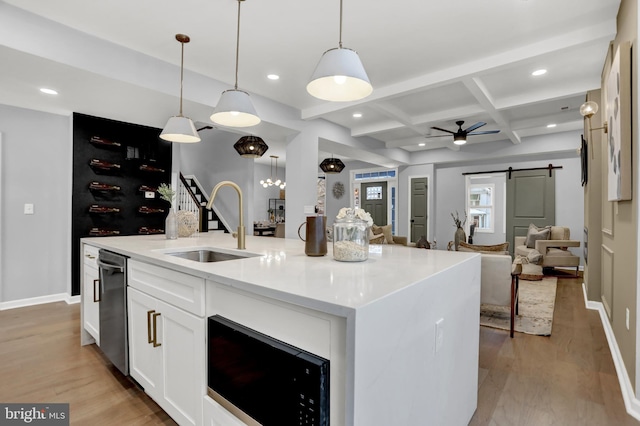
point(419, 208)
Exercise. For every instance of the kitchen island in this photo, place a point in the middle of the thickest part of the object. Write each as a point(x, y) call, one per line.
point(400, 329)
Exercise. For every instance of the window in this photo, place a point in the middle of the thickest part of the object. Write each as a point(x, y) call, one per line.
point(374, 193)
point(481, 207)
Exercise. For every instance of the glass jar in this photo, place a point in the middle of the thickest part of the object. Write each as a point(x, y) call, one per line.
point(350, 239)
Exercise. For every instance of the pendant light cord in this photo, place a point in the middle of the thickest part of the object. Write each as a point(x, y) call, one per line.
point(181, 74)
point(340, 40)
point(238, 44)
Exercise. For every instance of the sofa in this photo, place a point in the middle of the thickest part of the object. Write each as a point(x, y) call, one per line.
point(552, 242)
point(498, 286)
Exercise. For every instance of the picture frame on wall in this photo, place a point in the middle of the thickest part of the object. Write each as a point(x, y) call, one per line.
point(618, 116)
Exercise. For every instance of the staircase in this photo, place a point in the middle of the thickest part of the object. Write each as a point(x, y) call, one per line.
point(191, 197)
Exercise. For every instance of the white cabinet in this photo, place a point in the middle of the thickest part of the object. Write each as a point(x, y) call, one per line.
point(166, 349)
point(91, 292)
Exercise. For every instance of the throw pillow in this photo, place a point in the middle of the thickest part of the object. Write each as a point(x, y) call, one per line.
point(388, 236)
point(534, 234)
point(534, 257)
point(377, 239)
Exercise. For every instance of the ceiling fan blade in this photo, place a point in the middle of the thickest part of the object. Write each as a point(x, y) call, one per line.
point(437, 136)
point(485, 132)
point(474, 126)
point(443, 130)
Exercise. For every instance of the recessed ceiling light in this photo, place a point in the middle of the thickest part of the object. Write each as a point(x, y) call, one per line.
point(549, 126)
point(357, 115)
point(273, 77)
point(537, 73)
point(421, 144)
point(48, 91)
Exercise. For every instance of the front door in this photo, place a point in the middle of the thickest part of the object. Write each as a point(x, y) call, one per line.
point(531, 198)
point(374, 201)
point(418, 208)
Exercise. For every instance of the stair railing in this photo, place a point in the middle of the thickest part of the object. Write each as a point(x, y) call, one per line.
point(187, 200)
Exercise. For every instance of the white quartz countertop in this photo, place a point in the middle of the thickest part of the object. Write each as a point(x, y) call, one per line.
point(281, 269)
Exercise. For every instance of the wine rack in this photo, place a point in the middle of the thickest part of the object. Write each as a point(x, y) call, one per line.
point(117, 169)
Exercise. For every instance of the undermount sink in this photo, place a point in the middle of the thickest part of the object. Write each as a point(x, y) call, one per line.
point(205, 255)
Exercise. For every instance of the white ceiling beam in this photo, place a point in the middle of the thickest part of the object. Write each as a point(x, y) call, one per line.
point(484, 98)
point(431, 117)
point(396, 113)
point(580, 37)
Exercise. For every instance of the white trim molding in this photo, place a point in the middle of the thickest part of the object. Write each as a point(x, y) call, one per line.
point(60, 297)
point(631, 403)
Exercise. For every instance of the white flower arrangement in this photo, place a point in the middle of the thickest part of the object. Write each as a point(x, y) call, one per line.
point(357, 212)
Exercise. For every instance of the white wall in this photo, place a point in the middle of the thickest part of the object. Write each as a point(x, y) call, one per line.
point(36, 168)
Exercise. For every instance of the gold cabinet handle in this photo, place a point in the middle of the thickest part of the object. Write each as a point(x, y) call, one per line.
point(96, 294)
point(155, 329)
point(149, 338)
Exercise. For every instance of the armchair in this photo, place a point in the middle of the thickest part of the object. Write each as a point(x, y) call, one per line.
point(554, 250)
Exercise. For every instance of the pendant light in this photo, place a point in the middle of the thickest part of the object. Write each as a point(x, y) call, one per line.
point(270, 182)
point(251, 146)
point(340, 75)
point(332, 165)
point(234, 108)
point(180, 128)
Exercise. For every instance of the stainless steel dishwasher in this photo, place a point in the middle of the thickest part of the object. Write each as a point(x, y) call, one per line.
point(113, 309)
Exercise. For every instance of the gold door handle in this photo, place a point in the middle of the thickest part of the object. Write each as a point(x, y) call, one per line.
point(155, 329)
point(149, 338)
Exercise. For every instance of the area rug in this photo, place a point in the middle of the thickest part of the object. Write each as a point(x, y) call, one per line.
point(535, 313)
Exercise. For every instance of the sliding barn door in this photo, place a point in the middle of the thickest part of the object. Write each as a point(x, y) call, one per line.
point(531, 198)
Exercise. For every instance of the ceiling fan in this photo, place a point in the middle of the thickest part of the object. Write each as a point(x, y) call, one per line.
point(460, 136)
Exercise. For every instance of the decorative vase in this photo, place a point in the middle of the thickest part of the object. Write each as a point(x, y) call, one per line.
point(171, 225)
point(459, 236)
point(350, 239)
point(187, 223)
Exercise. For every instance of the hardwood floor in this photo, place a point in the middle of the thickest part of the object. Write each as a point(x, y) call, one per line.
point(41, 360)
point(565, 379)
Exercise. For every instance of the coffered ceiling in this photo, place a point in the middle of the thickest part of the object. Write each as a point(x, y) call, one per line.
point(431, 63)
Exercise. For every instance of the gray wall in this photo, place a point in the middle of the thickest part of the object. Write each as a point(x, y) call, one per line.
point(213, 160)
point(450, 195)
point(36, 168)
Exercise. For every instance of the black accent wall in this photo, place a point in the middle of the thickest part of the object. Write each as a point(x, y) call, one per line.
point(111, 154)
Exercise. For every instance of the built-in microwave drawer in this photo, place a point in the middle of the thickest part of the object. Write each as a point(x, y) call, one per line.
point(274, 383)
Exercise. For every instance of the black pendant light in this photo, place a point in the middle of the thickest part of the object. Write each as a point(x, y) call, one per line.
point(332, 165)
point(251, 146)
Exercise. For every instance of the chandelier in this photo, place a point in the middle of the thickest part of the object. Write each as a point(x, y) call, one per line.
point(270, 182)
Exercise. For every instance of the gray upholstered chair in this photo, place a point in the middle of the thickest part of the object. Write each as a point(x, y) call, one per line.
point(554, 250)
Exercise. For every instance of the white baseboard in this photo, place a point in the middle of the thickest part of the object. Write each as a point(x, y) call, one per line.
point(631, 403)
point(60, 297)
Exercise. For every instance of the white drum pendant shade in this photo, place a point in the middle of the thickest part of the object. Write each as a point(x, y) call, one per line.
point(180, 129)
point(340, 77)
point(235, 109)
